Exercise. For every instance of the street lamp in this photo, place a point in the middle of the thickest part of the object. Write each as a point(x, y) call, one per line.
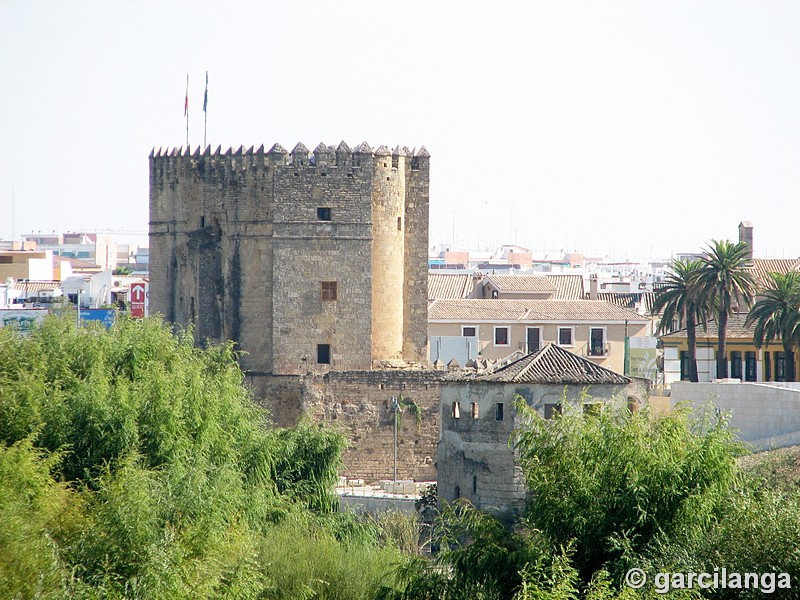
point(395, 410)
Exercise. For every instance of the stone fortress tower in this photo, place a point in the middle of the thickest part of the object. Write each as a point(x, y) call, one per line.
point(310, 261)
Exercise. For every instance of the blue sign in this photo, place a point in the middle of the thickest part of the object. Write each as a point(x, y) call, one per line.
point(105, 315)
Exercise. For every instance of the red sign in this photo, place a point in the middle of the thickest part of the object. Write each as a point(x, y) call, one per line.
point(138, 296)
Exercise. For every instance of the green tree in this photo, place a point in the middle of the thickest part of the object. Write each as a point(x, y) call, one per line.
point(725, 281)
point(614, 483)
point(135, 465)
point(776, 315)
point(680, 300)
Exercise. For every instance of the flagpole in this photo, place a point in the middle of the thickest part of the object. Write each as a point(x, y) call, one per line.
point(205, 113)
point(186, 110)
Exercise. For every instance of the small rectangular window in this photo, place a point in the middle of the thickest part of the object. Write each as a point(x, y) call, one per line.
point(565, 336)
point(399, 223)
point(475, 410)
point(469, 331)
point(552, 410)
point(324, 213)
point(328, 290)
point(498, 411)
point(324, 354)
point(592, 409)
point(456, 410)
point(501, 336)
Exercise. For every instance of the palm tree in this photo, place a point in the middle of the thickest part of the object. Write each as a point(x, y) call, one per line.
point(776, 315)
point(725, 280)
point(679, 299)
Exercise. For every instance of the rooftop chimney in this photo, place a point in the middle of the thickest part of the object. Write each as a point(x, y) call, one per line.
point(746, 236)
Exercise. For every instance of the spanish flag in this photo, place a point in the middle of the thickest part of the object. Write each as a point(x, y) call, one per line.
point(205, 96)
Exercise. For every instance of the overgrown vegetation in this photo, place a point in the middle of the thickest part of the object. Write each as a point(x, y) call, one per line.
point(611, 491)
point(134, 465)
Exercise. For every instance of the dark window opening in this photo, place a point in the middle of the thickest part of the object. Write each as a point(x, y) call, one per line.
point(767, 367)
point(736, 364)
point(552, 410)
point(202, 222)
point(399, 223)
point(501, 336)
point(323, 174)
point(468, 331)
point(533, 339)
point(324, 354)
point(750, 366)
point(328, 290)
point(684, 365)
point(592, 409)
point(324, 213)
point(597, 345)
point(780, 366)
point(457, 492)
point(498, 411)
point(474, 484)
point(565, 336)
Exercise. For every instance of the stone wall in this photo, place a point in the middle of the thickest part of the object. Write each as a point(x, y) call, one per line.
point(474, 458)
point(242, 241)
point(360, 404)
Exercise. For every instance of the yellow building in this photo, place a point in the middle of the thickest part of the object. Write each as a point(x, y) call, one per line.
point(745, 361)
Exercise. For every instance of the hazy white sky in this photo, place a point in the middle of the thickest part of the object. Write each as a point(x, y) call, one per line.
point(638, 128)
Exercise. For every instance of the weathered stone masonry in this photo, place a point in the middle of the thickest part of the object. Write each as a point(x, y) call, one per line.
point(241, 243)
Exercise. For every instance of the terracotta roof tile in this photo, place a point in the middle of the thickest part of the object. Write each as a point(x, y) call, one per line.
point(554, 364)
point(736, 330)
point(449, 285)
point(568, 287)
point(521, 283)
point(762, 267)
point(628, 299)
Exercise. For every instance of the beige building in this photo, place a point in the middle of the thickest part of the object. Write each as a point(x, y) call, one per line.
point(593, 329)
point(26, 264)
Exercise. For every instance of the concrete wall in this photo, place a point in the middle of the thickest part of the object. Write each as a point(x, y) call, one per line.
point(766, 414)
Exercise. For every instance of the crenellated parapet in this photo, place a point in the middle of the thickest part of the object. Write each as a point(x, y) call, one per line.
point(166, 160)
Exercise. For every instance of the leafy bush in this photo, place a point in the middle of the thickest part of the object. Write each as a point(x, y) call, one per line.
point(135, 465)
point(612, 483)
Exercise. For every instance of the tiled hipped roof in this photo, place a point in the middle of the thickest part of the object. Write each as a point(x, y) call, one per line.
point(762, 267)
point(736, 330)
point(568, 287)
point(529, 310)
point(521, 283)
point(449, 285)
point(629, 299)
point(553, 364)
